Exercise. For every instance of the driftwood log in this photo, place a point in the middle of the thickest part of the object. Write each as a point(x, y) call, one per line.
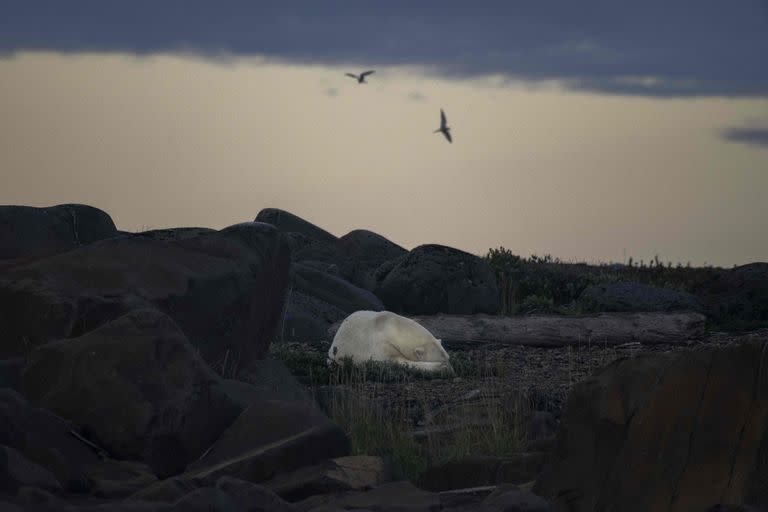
point(609, 329)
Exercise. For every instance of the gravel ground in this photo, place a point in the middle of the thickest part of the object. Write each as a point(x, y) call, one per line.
point(502, 372)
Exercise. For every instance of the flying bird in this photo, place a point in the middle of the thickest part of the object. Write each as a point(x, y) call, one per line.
point(444, 127)
point(361, 79)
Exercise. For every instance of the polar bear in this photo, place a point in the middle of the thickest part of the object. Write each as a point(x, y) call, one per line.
point(387, 336)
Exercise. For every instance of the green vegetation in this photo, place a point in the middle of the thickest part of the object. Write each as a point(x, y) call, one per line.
point(550, 285)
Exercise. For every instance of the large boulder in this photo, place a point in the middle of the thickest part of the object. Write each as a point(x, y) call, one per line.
point(307, 318)
point(269, 438)
point(27, 231)
point(17, 471)
point(674, 431)
point(433, 279)
point(363, 252)
point(333, 290)
point(129, 381)
point(317, 299)
point(45, 439)
point(636, 297)
point(290, 223)
point(225, 289)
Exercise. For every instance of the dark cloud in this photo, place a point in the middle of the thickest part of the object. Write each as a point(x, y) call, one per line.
point(755, 134)
point(653, 47)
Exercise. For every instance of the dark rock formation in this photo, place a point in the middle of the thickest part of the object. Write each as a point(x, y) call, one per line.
point(675, 431)
point(225, 289)
point(129, 380)
point(45, 439)
point(270, 437)
point(363, 252)
point(289, 223)
point(26, 231)
point(433, 279)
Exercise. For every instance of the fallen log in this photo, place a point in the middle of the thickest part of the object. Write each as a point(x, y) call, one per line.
point(610, 329)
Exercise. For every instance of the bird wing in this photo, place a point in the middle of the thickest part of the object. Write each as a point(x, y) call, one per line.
point(448, 136)
point(350, 74)
point(442, 119)
point(366, 73)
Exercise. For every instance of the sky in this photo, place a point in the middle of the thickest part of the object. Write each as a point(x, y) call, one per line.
point(590, 131)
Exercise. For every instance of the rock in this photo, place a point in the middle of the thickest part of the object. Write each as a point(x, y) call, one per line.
point(474, 471)
point(520, 467)
point(27, 231)
point(251, 497)
point(232, 495)
point(270, 437)
point(173, 233)
point(433, 279)
point(129, 380)
point(169, 490)
point(269, 377)
point(40, 499)
point(393, 496)
point(516, 500)
point(45, 439)
point(674, 431)
point(17, 471)
point(119, 478)
point(225, 289)
point(288, 222)
point(608, 329)
point(479, 471)
point(10, 373)
point(316, 299)
point(363, 252)
point(542, 425)
point(636, 297)
point(333, 290)
point(308, 318)
point(353, 473)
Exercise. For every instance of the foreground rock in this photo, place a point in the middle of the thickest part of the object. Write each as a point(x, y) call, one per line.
point(225, 290)
point(17, 471)
point(353, 473)
point(129, 381)
point(556, 331)
point(26, 231)
point(481, 471)
point(433, 279)
point(269, 438)
point(671, 432)
point(45, 439)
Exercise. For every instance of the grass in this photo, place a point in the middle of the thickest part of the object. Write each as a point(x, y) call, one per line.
point(351, 395)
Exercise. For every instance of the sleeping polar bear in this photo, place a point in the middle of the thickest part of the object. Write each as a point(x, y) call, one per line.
point(386, 336)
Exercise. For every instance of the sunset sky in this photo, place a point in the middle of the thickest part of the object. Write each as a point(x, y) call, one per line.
point(592, 131)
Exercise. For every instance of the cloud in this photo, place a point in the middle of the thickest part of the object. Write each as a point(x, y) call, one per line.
point(416, 96)
point(332, 92)
point(755, 134)
point(652, 48)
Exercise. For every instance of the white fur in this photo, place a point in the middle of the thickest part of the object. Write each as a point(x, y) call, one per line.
point(387, 336)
